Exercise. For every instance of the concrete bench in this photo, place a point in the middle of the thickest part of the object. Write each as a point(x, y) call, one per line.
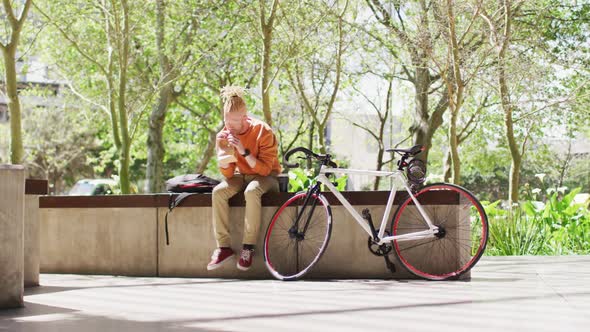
point(124, 235)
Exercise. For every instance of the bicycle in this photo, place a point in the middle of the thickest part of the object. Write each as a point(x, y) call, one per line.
point(439, 241)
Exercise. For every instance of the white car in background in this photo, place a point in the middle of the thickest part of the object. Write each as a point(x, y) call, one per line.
point(93, 187)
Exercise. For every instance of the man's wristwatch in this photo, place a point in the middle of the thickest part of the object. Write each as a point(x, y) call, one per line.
point(246, 153)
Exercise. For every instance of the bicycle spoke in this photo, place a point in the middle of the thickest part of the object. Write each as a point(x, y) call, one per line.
point(458, 245)
point(297, 236)
point(418, 245)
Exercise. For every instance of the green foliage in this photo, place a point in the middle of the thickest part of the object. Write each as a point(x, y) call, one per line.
point(547, 69)
point(301, 179)
point(568, 221)
point(185, 139)
point(554, 227)
point(62, 159)
point(513, 233)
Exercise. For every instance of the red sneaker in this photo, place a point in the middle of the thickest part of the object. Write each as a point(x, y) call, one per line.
point(245, 259)
point(220, 256)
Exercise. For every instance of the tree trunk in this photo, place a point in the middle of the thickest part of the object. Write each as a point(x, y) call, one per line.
point(379, 167)
point(448, 164)
point(155, 145)
point(338, 69)
point(265, 76)
point(9, 52)
point(322, 138)
point(455, 89)
point(209, 151)
point(566, 163)
point(125, 157)
point(311, 140)
point(514, 151)
point(514, 179)
point(421, 86)
point(424, 125)
point(507, 107)
point(16, 136)
point(383, 121)
point(266, 26)
point(454, 148)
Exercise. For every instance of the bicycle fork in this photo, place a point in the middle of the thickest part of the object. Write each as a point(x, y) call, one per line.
point(294, 230)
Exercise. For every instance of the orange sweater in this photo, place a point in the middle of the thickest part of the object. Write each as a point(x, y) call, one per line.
point(263, 145)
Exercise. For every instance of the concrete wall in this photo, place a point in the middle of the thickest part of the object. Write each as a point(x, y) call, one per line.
point(32, 249)
point(117, 241)
point(126, 236)
point(12, 203)
point(192, 243)
point(128, 241)
point(32, 241)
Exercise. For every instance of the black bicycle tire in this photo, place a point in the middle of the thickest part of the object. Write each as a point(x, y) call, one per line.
point(269, 228)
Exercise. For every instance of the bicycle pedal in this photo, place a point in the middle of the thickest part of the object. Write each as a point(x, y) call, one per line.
point(366, 214)
point(389, 264)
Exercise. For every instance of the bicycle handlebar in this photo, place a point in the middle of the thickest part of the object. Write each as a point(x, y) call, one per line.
point(325, 159)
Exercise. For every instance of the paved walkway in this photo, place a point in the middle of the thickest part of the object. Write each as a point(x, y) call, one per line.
point(505, 294)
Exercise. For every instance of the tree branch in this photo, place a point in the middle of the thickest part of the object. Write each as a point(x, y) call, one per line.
point(367, 130)
point(73, 42)
point(9, 13)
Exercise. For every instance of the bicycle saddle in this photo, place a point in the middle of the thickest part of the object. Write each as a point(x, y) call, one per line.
point(412, 151)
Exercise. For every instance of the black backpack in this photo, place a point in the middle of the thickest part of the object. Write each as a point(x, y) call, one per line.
point(186, 185)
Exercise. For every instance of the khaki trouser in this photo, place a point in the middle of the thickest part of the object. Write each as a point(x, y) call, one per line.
point(255, 186)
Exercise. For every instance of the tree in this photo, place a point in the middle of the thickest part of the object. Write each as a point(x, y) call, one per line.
point(523, 35)
point(9, 48)
point(267, 26)
point(416, 34)
point(63, 158)
point(462, 65)
point(471, 116)
point(175, 60)
point(100, 39)
point(379, 134)
point(227, 56)
point(500, 38)
point(323, 71)
point(280, 41)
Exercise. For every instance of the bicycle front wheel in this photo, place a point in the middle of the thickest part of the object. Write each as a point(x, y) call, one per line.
point(462, 236)
point(297, 236)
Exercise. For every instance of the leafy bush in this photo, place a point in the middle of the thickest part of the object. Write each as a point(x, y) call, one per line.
point(301, 179)
point(554, 227)
point(513, 233)
point(568, 221)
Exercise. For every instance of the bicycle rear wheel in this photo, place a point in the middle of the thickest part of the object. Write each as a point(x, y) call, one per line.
point(297, 236)
point(462, 238)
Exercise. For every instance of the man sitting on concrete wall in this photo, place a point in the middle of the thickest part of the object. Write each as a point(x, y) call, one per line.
point(247, 151)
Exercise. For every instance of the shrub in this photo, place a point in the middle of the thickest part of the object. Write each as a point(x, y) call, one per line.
point(301, 179)
point(554, 227)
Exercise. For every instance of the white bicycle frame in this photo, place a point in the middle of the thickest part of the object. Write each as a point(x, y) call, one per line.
point(397, 175)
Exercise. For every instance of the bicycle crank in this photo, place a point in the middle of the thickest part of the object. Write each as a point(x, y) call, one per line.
point(379, 249)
